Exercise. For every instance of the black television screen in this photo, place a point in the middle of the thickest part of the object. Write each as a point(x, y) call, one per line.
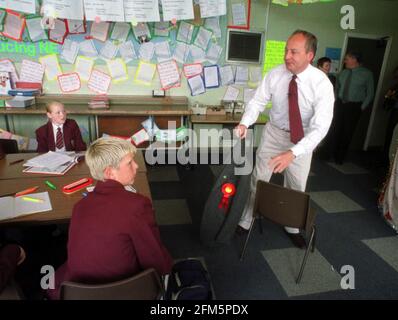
point(244, 46)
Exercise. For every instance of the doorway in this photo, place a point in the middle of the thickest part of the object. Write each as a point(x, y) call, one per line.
point(375, 50)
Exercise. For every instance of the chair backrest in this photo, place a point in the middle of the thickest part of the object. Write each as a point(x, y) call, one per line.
point(284, 206)
point(9, 146)
point(143, 286)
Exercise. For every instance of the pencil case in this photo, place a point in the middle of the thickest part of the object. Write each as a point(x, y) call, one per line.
point(77, 185)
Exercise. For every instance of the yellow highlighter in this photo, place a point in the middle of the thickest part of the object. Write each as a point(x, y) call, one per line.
point(33, 199)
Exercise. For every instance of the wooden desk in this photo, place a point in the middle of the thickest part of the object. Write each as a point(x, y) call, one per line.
point(62, 204)
point(15, 171)
point(228, 118)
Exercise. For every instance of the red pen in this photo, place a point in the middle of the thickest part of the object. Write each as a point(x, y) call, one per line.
point(16, 161)
point(27, 191)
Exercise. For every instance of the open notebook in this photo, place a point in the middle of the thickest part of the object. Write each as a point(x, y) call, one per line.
point(11, 207)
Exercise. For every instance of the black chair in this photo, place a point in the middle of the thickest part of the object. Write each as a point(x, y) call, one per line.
point(285, 207)
point(9, 146)
point(143, 286)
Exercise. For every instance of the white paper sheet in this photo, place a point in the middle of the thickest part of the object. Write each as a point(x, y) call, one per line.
point(106, 10)
point(117, 69)
point(211, 76)
point(191, 70)
point(99, 82)
point(241, 75)
point(127, 51)
point(196, 85)
point(168, 74)
point(26, 6)
point(69, 82)
point(76, 26)
point(13, 26)
point(70, 50)
point(197, 54)
point(140, 137)
point(213, 24)
point(87, 48)
point(120, 31)
point(202, 38)
point(211, 8)
point(66, 9)
point(231, 94)
point(181, 52)
point(84, 67)
point(162, 29)
point(141, 32)
point(147, 50)
point(31, 71)
point(99, 30)
point(227, 75)
point(36, 32)
point(8, 65)
point(185, 32)
point(145, 73)
point(255, 75)
point(51, 65)
point(141, 11)
point(238, 14)
point(162, 50)
point(108, 50)
point(177, 9)
point(59, 32)
point(214, 53)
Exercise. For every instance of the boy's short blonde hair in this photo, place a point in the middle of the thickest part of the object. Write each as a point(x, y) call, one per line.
point(107, 152)
point(52, 103)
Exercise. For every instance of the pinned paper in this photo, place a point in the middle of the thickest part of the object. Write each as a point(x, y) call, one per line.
point(69, 82)
point(76, 26)
point(84, 67)
point(211, 76)
point(185, 31)
point(51, 66)
point(109, 50)
point(104, 10)
point(214, 53)
point(162, 51)
point(231, 94)
point(227, 75)
point(168, 74)
point(181, 52)
point(191, 70)
point(65, 9)
point(99, 31)
point(31, 71)
point(120, 31)
point(14, 25)
point(177, 9)
point(145, 73)
point(127, 51)
point(59, 32)
point(8, 66)
point(241, 75)
point(117, 69)
point(141, 11)
point(197, 54)
point(202, 38)
point(141, 32)
point(162, 29)
point(69, 51)
point(146, 51)
point(88, 49)
point(211, 8)
point(99, 82)
point(196, 85)
point(35, 30)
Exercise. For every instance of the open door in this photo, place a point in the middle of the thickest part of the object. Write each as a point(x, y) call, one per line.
point(375, 50)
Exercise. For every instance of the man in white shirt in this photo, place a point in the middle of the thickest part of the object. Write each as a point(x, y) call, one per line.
point(302, 109)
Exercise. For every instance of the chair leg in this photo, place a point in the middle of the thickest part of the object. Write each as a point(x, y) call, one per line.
point(305, 256)
point(314, 240)
point(247, 239)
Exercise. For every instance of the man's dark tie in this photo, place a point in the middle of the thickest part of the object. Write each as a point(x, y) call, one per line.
point(296, 126)
point(347, 84)
point(59, 143)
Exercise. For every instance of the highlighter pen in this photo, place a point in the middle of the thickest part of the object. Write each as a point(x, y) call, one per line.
point(33, 199)
point(51, 185)
point(27, 191)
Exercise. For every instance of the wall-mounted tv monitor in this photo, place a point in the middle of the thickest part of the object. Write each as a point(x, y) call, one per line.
point(244, 46)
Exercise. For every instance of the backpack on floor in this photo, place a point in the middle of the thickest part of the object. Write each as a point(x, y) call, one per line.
point(188, 280)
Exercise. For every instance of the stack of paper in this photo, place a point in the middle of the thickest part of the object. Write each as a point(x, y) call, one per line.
point(99, 102)
point(12, 207)
point(20, 102)
point(57, 163)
